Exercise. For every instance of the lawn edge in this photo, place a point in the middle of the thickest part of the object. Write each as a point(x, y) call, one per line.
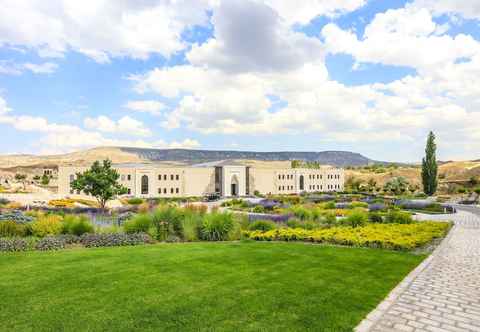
point(375, 315)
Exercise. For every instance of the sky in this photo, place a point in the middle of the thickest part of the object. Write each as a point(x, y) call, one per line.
point(369, 76)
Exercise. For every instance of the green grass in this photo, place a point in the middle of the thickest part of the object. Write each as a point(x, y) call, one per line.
point(244, 286)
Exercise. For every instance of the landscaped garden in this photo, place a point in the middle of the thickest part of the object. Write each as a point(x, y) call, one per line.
point(248, 286)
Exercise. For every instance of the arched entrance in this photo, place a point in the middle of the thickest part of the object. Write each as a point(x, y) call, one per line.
point(302, 183)
point(144, 185)
point(234, 186)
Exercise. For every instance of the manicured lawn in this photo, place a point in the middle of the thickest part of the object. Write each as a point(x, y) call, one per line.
point(200, 286)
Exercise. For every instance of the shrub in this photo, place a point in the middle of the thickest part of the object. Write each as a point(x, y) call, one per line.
point(135, 201)
point(47, 225)
point(10, 228)
point(113, 240)
point(354, 205)
point(191, 227)
point(398, 217)
point(76, 225)
point(140, 223)
point(301, 212)
point(329, 205)
point(356, 218)
point(14, 244)
point(258, 209)
point(69, 238)
point(167, 220)
point(50, 243)
point(216, 226)
point(262, 225)
point(391, 236)
point(477, 190)
point(196, 208)
point(3, 201)
point(375, 217)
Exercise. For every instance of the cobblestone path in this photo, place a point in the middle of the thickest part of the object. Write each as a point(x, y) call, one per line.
point(443, 293)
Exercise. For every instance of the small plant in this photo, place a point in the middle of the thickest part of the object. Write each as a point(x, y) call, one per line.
point(135, 201)
point(262, 225)
point(113, 240)
point(14, 244)
point(47, 225)
point(76, 225)
point(216, 226)
point(10, 228)
point(356, 218)
point(191, 227)
point(50, 243)
point(141, 223)
point(398, 217)
point(258, 209)
point(375, 217)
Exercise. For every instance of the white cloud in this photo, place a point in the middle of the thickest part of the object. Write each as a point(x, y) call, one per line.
point(13, 68)
point(100, 29)
point(44, 68)
point(402, 37)
point(126, 126)
point(59, 138)
point(469, 9)
point(303, 12)
point(146, 106)
point(250, 36)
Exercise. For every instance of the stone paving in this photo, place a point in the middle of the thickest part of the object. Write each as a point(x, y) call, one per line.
point(443, 293)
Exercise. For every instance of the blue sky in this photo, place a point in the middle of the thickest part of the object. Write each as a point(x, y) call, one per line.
point(366, 76)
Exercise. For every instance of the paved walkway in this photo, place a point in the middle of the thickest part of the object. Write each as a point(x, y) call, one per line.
point(443, 293)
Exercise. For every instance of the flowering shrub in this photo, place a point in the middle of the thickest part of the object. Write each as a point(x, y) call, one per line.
point(114, 240)
point(47, 225)
point(388, 236)
point(14, 244)
point(50, 243)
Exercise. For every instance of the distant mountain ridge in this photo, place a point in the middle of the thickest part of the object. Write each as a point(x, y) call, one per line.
point(335, 158)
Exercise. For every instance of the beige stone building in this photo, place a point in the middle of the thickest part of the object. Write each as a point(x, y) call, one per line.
point(149, 180)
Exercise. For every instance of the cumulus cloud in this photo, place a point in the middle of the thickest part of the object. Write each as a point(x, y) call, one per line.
point(44, 68)
point(402, 37)
point(100, 29)
point(153, 107)
point(469, 9)
point(251, 36)
point(126, 126)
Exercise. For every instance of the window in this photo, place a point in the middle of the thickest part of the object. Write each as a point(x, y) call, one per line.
point(318, 176)
point(159, 177)
point(159, 190)
point(283, 177)
point(279, 188)
point(283, 187)
point(164, 190)
point(302, 183)
point(164, 176)
point(171, 190)
point(171, 177)
point(129, 177)
point(279, 177)
point(177, 177)
point(129, 191)
point(177, 190)
point(144, 183)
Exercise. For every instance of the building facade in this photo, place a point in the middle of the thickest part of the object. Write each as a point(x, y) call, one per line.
point(147, 180)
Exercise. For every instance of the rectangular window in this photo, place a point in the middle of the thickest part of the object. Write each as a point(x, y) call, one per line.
point(171, 177)
point(171, 190)
point(279, 188)
point(279, 177)
point(164, 176)
point(177, 177)
point(129, 191)
point(159, 190)
point(164, 190)
point(177, 190)
point(129, 177)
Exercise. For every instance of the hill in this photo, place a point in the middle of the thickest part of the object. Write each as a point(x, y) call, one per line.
point(181, 156)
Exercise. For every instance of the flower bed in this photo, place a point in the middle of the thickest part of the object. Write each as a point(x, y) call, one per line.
point(387, 236)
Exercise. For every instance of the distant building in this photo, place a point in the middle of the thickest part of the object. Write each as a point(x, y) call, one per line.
point(149, 180)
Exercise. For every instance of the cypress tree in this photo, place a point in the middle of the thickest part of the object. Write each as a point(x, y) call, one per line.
point(429, 166)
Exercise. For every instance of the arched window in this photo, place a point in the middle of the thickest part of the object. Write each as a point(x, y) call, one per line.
point(302, 183)
point(144, 185)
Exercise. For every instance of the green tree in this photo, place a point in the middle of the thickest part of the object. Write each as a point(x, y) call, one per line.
point(430, 167)
point(22, 178)
point(45, 179)
point(396, 185)
point(100, 181)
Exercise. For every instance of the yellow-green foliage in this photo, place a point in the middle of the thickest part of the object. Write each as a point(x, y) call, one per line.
point(388, 236)
point(47, 225)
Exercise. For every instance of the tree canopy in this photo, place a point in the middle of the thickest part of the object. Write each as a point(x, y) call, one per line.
point(430, 167)
point(100, 181)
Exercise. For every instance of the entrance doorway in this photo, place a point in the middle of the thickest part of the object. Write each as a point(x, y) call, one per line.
point(234, 186)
